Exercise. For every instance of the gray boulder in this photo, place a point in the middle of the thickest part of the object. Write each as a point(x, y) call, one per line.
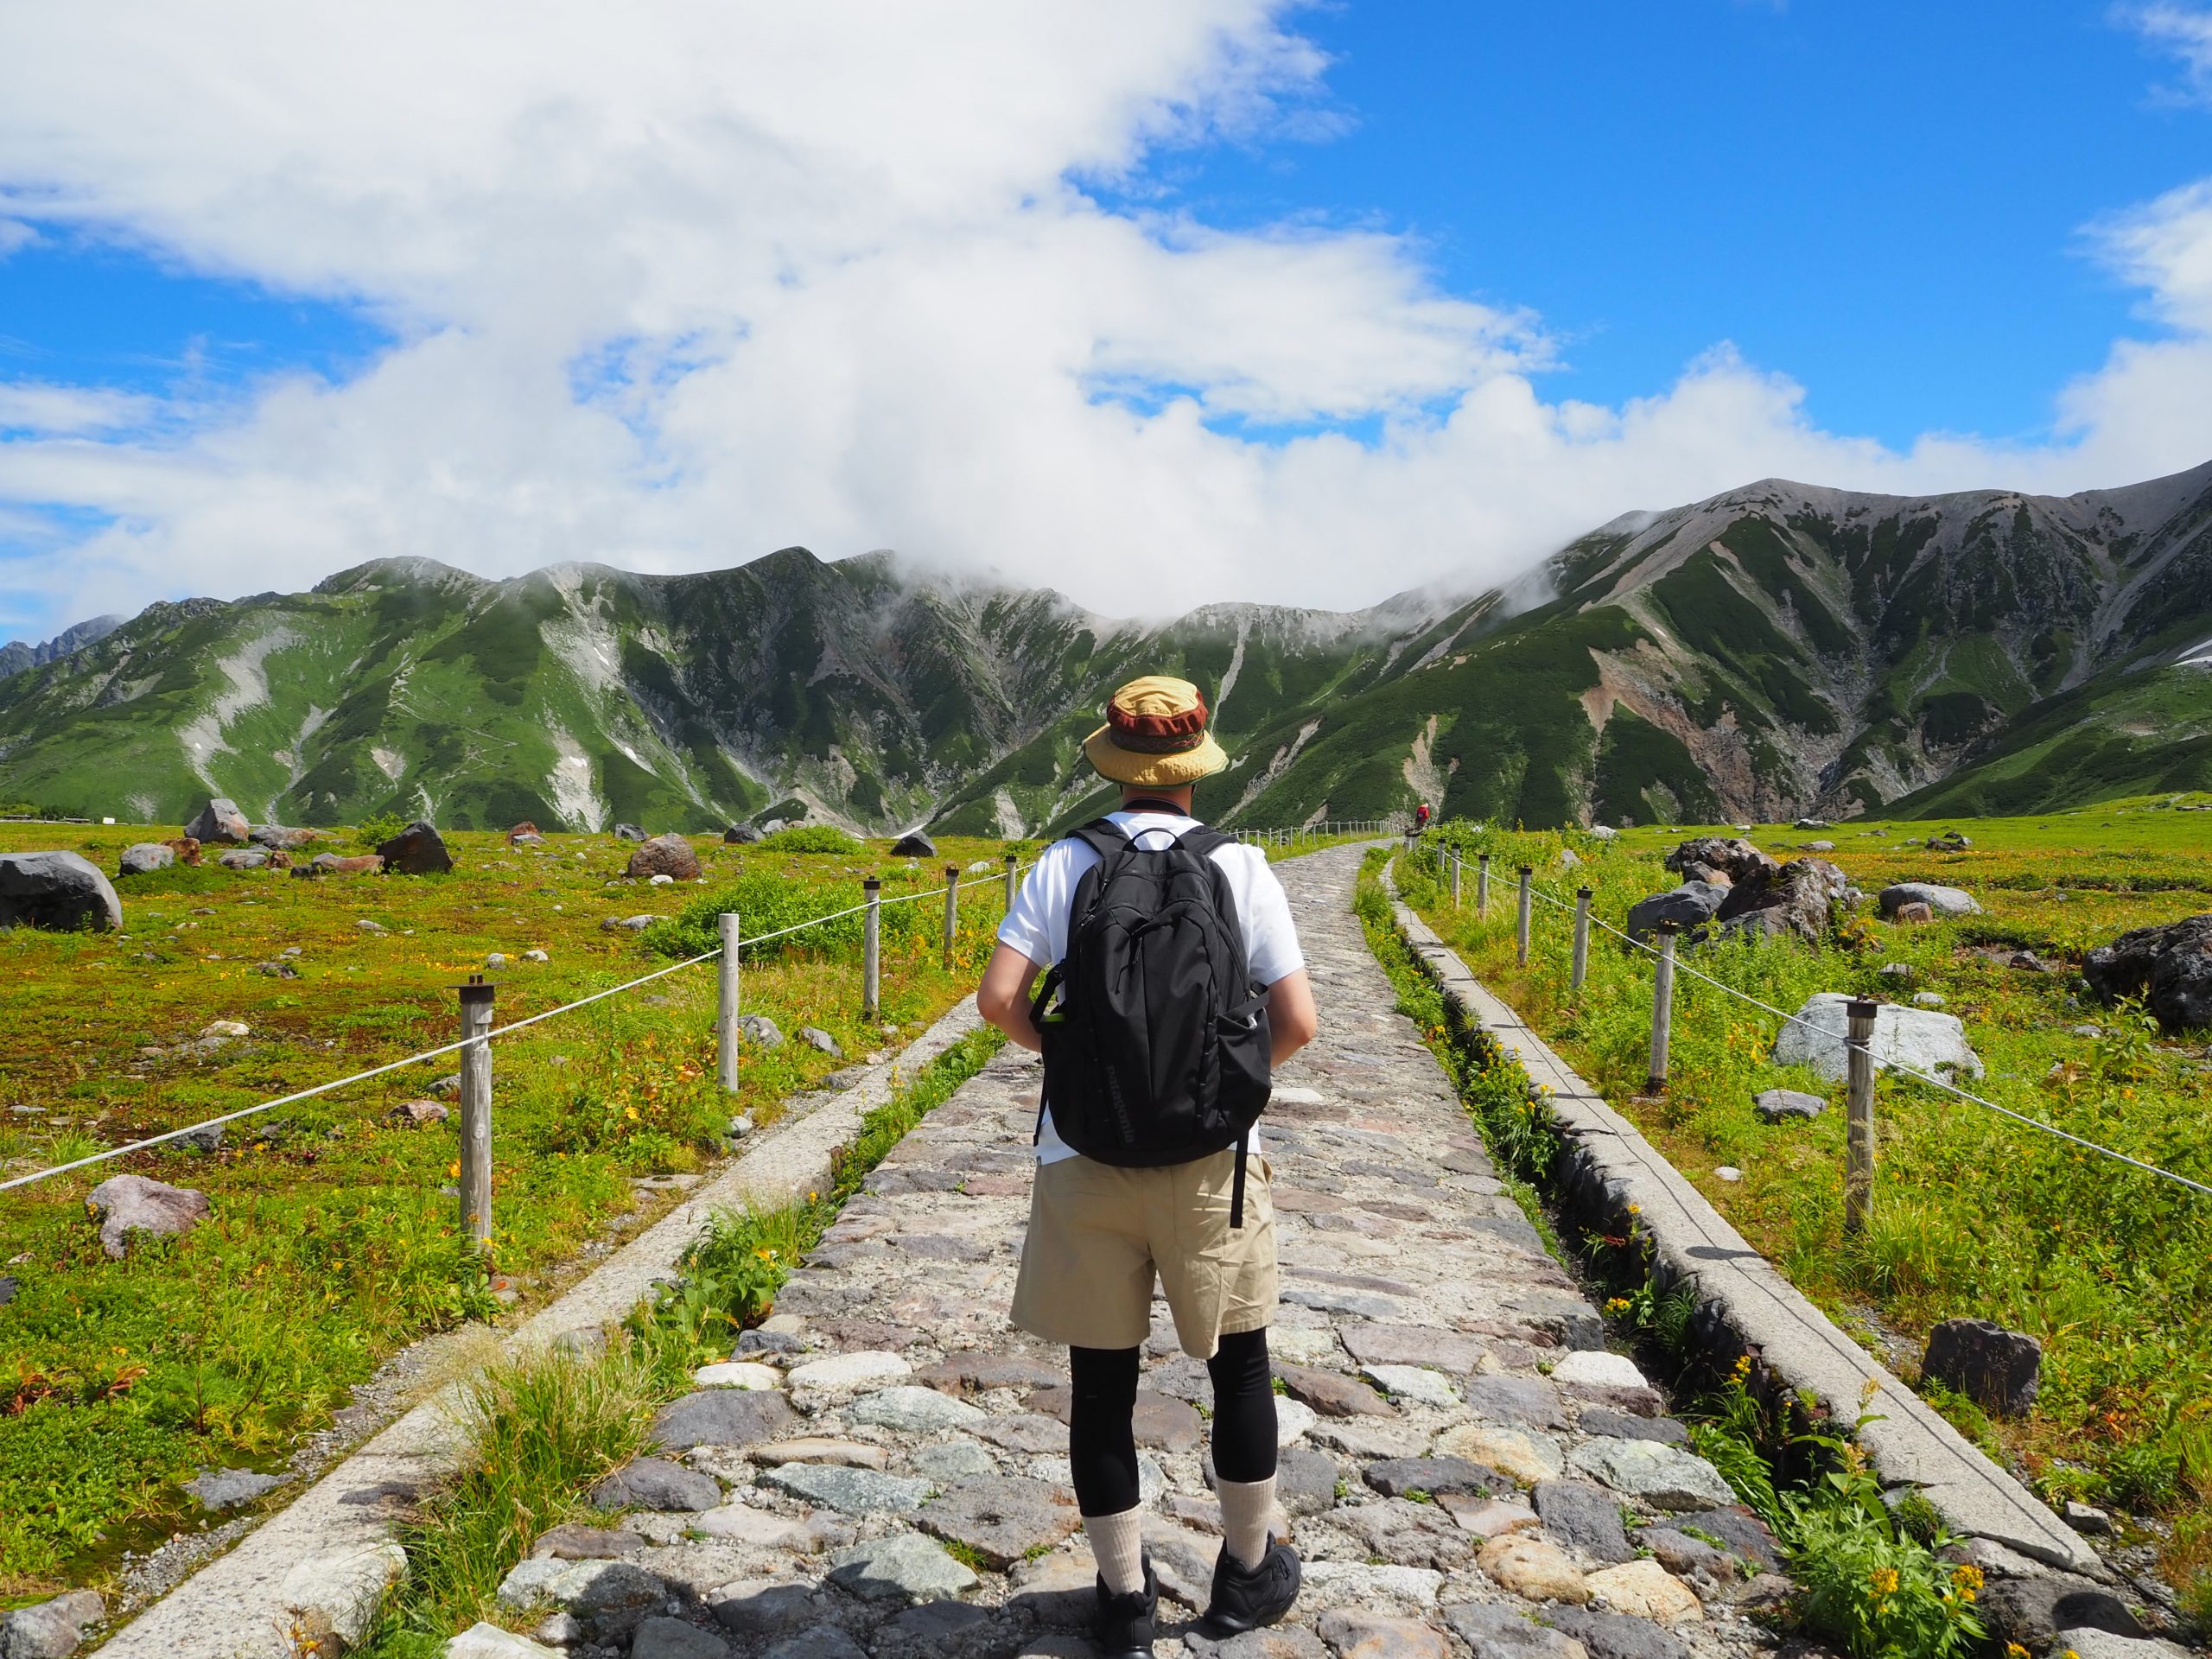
point(243, 861)
point(2170, 967)
point(220, 822)
point(913, 844)
point(1777, 1104)
point(1916, 1038)
point(1801, 897)
point(416, 850)
point(1732, 855)
point(1949, 841)
point(814, 1036)
point(1944, 901)
point(759, 1028)
point(1998, 1370)
point(723, 1417)
point(226, 1489)
point(52, 1630)
point(60, 891)
point(740, 834)
point(277, 838)
point(145, 857)
point(1691, 905)
point(132, 1204)
point(2032, 1611)
point(629, 832)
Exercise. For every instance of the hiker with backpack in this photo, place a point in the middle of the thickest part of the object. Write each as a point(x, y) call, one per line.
point(1152, 962)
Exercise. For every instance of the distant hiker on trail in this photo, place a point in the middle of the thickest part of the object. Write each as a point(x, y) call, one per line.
point(1420, 817)
point(1173, 984)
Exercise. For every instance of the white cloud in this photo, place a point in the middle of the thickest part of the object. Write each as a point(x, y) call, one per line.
point(15, 234)
point(2187, 32)
point(28, 406)
point(679, 284)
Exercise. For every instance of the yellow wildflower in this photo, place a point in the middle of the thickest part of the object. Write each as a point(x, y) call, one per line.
point(453, 1170)
point(1884, 1581)
point(630, 1112)
point(2014, 1651)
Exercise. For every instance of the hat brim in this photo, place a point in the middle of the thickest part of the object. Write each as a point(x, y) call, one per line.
point(1153, 770)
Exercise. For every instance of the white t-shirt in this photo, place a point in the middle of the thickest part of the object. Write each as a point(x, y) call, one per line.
point(1038, 925)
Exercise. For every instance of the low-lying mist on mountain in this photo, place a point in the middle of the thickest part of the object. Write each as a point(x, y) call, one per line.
point(1777, 650)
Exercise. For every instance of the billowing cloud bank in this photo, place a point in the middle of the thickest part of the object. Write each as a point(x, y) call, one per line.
point(676, 283)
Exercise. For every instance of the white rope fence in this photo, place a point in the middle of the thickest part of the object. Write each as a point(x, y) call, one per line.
point(870, 906)
point(1666, 958)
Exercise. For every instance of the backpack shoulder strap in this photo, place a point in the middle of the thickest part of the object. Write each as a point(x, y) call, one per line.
point(1103, 837)
point(1202, 839)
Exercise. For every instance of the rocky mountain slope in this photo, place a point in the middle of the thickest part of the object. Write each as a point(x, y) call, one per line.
point(17, 655)
point(1774, 650)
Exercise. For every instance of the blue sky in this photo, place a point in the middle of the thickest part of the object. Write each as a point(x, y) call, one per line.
point(1236, 283)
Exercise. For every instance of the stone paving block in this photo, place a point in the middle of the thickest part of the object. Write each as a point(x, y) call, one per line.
point(1000, 1518)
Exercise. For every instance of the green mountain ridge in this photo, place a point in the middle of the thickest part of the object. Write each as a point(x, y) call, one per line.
point(1776, 649)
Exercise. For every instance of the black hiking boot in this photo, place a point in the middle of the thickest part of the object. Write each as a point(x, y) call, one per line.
point(1125, 1622)
point(1246, 1597)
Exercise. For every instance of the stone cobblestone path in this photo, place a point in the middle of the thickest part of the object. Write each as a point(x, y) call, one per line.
point(1466, 1468)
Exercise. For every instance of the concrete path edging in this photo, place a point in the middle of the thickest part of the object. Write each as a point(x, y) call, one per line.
point(238, 1606)
point(1912, 1444)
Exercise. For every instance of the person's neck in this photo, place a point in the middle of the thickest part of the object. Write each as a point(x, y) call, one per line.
point(1167, 800)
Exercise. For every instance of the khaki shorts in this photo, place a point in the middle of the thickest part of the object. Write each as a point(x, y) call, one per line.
point(1098, 1233)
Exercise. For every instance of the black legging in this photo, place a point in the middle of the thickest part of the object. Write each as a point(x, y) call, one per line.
point(1102, 1448)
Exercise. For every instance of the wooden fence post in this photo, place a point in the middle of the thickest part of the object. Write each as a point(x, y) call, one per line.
point(1482, 887)
point(1581, 938)
point(476, 1110)
point(1858, 1123)
point(1012, 860)
point(1455, 878)
point(951, 911)
point(1521, 930)
point(871, 946)
point(726, 1003)
point(1662, 1009)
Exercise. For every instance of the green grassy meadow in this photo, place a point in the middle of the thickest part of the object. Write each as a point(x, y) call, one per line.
point(1974, 1216)
point(332, 1243)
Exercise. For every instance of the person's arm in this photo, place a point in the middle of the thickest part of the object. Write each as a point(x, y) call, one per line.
point(1003, 997)
point(1291, 1021)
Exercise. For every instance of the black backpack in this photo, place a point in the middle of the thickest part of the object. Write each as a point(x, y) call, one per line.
point(1157, 1051)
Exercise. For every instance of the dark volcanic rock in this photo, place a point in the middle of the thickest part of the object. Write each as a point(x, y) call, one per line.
point(1998, 1369)
point(657, 1484)
point(1395, 1477)
point(1801, 897)
point(2168, 967)
point(1732, 855)
point(1587, 1516)
point(913, 845)
point(60, 891)
point(1691, 905)
point(416, 850)
point(2032, 1611)
point(740, 834)
point(723, 1417)
point(629, 832)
